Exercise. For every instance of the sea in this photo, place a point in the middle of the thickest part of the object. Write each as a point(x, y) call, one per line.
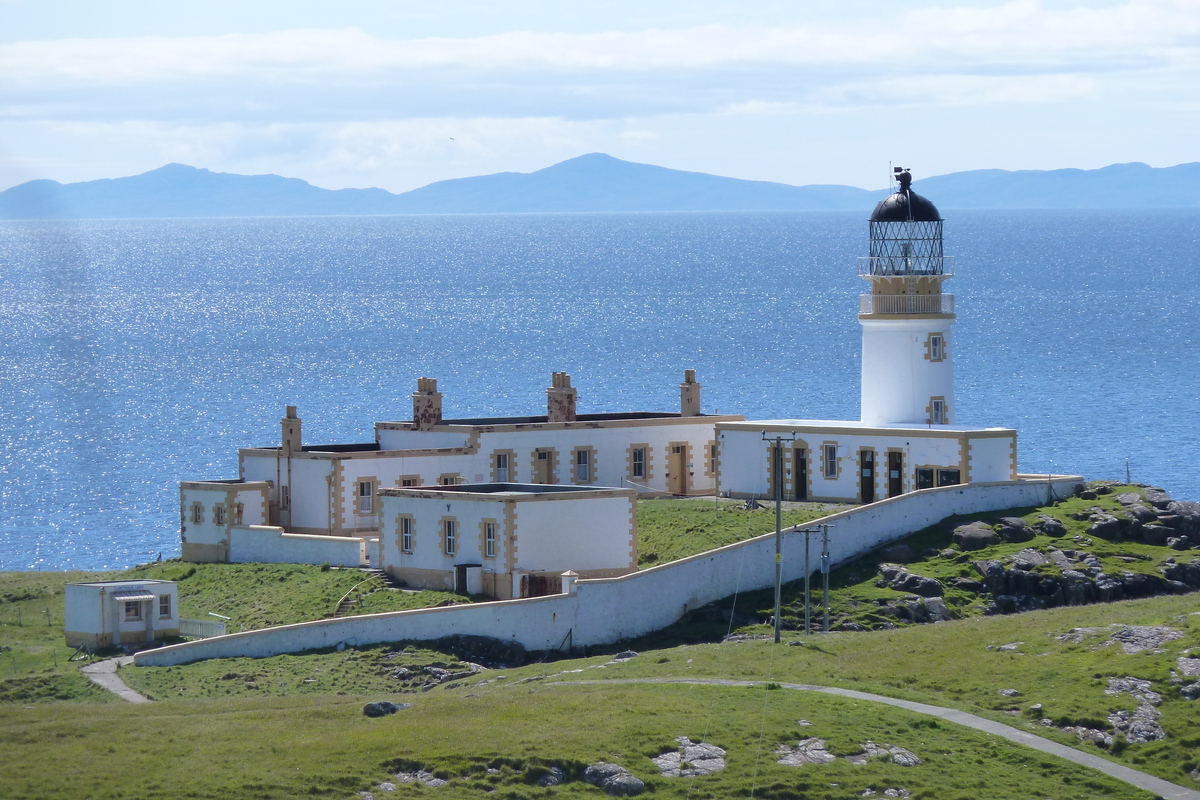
point(138, 353)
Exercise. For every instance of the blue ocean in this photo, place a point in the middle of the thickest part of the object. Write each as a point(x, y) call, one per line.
point(138, 353)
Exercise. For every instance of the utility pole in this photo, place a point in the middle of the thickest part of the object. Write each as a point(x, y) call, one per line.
point(825, 571)
point(777, 472)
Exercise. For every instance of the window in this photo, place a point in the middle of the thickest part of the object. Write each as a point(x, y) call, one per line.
point(366, 497)
point(924, 478)
point(935, 347)
point(583, 466)
point(133, 610)
point(164, 605)
point(450, 479)
point(450, 536)
point(406, 481)
point(502, 468)
point(406, 534)
point(937, 411)
point(219, 514)
point(947, 477)
point(639, 462)
point(830, 460)
point(489, 539)
point(197, 513)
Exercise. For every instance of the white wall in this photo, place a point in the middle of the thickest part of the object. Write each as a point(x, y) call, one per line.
point(208, 495)
point(897, 379)
point(992, 459)
point(261, 543)
point(393, 439)
point(608, 610)
point(427, 513)
point(584, 534)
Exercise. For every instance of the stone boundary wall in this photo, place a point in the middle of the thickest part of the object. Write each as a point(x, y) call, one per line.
point(606, 610)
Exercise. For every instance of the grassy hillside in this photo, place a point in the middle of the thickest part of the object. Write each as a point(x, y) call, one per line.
point(669, 530)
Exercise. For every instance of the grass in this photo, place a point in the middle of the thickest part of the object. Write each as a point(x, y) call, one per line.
point(493, 741)
point(35, 661)
point(669, 530)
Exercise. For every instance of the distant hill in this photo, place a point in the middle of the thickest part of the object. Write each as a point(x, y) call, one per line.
point(594, 182)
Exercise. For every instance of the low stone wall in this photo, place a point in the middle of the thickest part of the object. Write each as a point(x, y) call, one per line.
point(605, 610)
point(268, 544)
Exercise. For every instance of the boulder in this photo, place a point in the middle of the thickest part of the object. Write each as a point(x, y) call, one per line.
point(938, 611)
point(1014, 529)
point(1106, 526)
point(1078, 589)
point(917, 584)
point(1156, 497)
point(968, 585)
point(1141, 513)
point(1050, 526)
point(613, 779)
point(1087, 494)
point(1029, 558)
point(383, 708)
point(994, 575)
point(975, 536)
point(1178, 543)
point(1129, 498)
point(1155, 534)
point(553, 777)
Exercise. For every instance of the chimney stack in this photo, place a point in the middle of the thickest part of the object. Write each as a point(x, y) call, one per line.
point(427, 404)
point(560, 399)
point(689, 395)
point(291, 431)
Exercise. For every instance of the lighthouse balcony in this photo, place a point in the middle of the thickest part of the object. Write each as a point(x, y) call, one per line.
point(905, 264)
point(906, 304)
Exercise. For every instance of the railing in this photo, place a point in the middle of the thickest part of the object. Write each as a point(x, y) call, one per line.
point(906, 304)
point(905, 265)
point(201, 628)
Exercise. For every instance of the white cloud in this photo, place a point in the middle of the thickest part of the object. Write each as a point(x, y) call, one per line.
point(1021, 33)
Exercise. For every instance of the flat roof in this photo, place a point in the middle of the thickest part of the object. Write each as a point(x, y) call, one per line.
point(505, 488)
point(899, 427)
point(620, 415)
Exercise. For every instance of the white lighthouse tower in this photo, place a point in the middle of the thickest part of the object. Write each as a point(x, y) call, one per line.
point(907, 351)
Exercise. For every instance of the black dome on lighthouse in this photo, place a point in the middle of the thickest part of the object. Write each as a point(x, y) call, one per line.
point(905, 205)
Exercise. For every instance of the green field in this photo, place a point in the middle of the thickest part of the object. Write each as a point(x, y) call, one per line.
point(293, 726)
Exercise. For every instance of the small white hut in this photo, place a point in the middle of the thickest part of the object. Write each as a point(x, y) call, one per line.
point(110, 613)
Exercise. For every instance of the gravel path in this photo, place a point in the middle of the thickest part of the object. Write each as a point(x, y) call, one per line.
point(1141, 780)
point(104, 675)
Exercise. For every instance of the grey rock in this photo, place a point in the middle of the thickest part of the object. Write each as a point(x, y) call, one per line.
point(624, 655)
point(1155, 534)
point(1088, 494)
point(917, 584)
point(384, 708)
point(1029, 558)
point(1009, 693)
point(1188, 665)
point(1051, 526)
point(975, 536)
point(1191, 691)
point(1128, 498)
point(1014, 529)
point(613, 779)
point(1101, 738)
point(1106, 526)
point(1156, 497)
point(938, 611)
point(1078, 589)
point(1178, 543)
point(690, 759)
point(968, 585)
point(421, 776)
point(806, 751)
point(1141, 513)
point(1136, 638)
point(553, 777)
point(386, 786)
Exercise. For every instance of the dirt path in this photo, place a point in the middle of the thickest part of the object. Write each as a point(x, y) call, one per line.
point(104, 675)
point(1133, 777)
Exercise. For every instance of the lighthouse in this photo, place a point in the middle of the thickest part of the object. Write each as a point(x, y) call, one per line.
point(907, 350)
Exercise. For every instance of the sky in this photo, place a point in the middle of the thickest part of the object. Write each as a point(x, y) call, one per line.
point(403, 93)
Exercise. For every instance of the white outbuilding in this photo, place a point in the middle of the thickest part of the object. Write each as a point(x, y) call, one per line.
point(110, 613)
point(507, 540)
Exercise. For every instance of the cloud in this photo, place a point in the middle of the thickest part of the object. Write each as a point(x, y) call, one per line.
point(1019, 34)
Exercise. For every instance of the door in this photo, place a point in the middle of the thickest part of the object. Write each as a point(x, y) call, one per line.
point(677, 469)
point(895, 473)
point(543, 466)
point(866, 472)
point(800, 472)
point(460, 578)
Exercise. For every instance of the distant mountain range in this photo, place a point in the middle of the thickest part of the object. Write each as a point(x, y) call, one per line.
point(595, 182)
